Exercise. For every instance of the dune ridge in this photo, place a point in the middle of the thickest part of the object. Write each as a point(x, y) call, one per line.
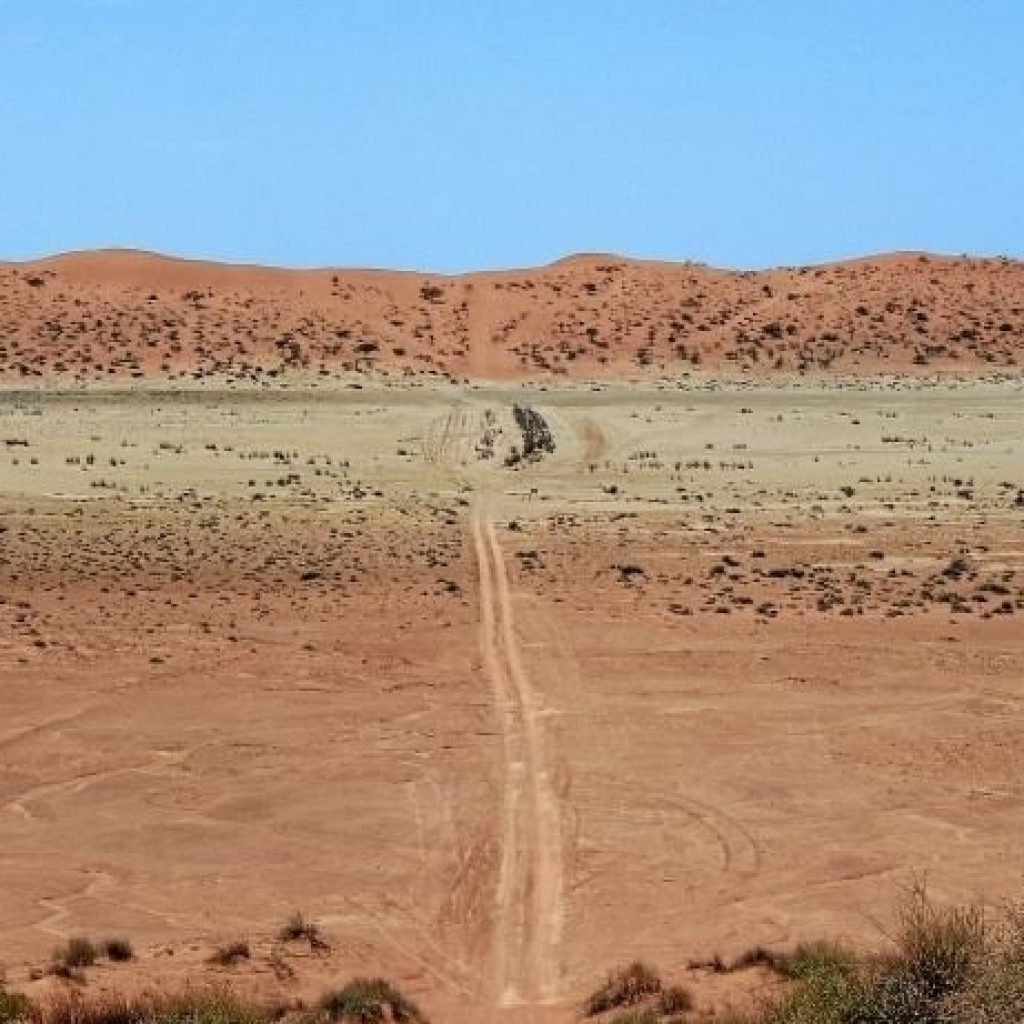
point(108, 314)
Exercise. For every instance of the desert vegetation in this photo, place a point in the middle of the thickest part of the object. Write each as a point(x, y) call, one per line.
point(84, 318)
point(938, 964)
point(360, 1001)
point(956, 964)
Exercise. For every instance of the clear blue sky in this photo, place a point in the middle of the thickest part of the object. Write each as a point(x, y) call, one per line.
point(451, 135)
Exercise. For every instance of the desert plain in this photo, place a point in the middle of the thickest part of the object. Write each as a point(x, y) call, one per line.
point(501, 672)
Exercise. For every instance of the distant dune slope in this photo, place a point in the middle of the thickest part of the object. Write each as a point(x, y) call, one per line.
point(110, 314)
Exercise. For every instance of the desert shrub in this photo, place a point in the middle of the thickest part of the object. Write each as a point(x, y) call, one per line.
point(938, 953)
point(625, 987)
point(189, 1007)
point(674, 999)
point(370, 1001)
point(938, 946)
point(828, 995)
point(937, 950)
point(715, 964)
point(76, 953)
point(760, 956)
point(297, 927)
point(995, 992)
point(230, 954)
point(118, 949)
point(13, 1007)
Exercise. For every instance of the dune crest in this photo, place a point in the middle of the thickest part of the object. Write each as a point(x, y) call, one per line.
point(120, 313)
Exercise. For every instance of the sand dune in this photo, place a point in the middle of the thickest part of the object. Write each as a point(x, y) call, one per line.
point(109, 314)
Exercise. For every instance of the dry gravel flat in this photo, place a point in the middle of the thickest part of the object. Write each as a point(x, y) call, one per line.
point(726, 666)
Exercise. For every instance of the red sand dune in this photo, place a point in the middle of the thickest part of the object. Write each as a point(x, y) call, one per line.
point(109, 314)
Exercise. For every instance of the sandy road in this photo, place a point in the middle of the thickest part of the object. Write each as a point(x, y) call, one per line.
point(529, 899)
point(525, 956)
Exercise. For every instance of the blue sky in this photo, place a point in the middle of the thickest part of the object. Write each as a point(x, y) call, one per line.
point(453, 135)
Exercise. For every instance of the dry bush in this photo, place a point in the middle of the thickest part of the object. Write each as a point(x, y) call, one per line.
point(76, 953)
point(626, 986)
point(297, 927)
point(188, 1007)
point(230, 954)
point(118, 949)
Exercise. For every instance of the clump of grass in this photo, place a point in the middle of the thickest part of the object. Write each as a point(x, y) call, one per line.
point(188, 1007)
point(714, 964)
point(230, 954)
point(626, 986)
point(370, 1001)
point(759, 956)
point(118, 949)
point(14, 1007)
point(810, 958)
point(674, 999)
point(298, 927)
point(807, 958)
point(75, 954)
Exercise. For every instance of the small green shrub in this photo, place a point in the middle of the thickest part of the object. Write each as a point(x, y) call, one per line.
point(810, 958)
point(370, 1001)
point(625, 987)
point(827, 996)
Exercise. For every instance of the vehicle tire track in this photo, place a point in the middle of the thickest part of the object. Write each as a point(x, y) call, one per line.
point(529, 907)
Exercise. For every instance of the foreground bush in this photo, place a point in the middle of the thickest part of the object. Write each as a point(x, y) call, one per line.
point(370, 1001)
point(945, 965)
point(625, 987)
point(13, 1007)
point(994, 993)
point(362, 1001)
point(208, 1007)
point(942, 962)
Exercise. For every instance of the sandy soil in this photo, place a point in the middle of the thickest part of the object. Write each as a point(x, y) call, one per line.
point(725, 667)
point(125, 315)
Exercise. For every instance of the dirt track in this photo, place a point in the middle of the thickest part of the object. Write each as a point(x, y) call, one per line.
point(529, 890)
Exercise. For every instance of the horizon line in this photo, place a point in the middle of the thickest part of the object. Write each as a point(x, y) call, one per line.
point(579, 255)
